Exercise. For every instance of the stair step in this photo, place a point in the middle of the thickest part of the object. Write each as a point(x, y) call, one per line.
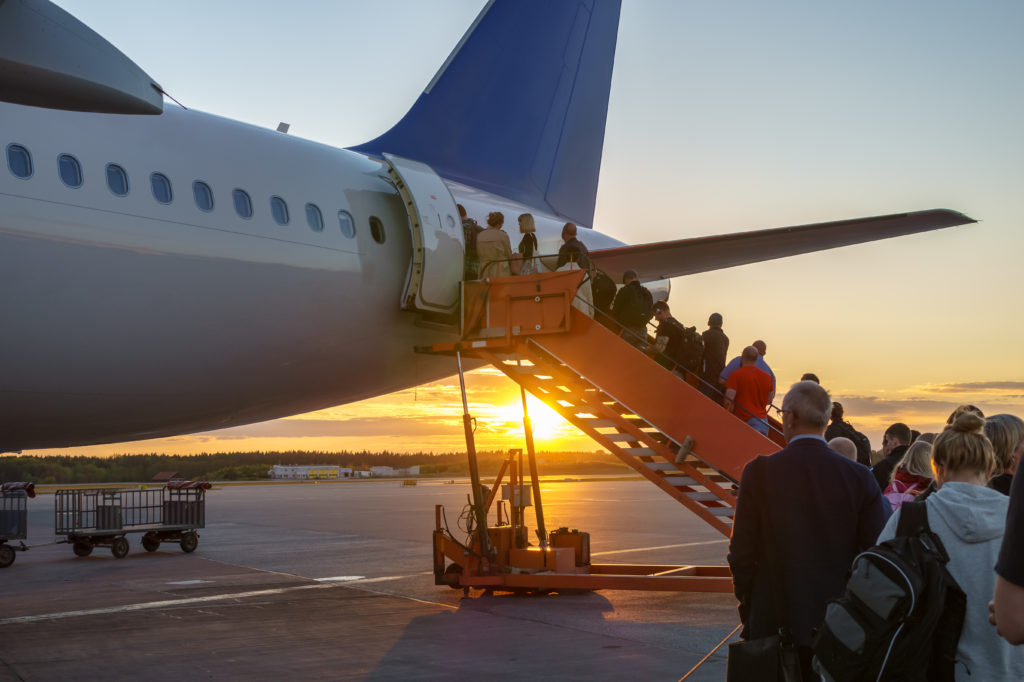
point(703, 497)
point(662, 466)
point(629, 437)
point(597, 423)
point(640, 452)
point(680, 481)
point(722, 511)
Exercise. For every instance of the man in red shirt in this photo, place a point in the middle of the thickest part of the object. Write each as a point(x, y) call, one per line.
point(748, 390)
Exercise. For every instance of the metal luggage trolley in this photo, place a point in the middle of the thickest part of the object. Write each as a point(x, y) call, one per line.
point(13, 519)
point(100, 517)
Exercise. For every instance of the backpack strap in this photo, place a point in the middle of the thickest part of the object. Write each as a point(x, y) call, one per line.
point(913, 519)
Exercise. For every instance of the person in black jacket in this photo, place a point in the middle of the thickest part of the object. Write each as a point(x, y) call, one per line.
point(572, 249)
point(716, 347)
point(844, 429)
point(822, 511)
point(633, 308)
point(895, 443)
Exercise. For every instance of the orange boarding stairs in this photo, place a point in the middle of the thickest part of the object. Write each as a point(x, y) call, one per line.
point(650, 418)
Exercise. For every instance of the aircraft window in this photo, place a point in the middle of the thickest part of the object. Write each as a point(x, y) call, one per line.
point(279, 209)
point(314, 218)
point(19, 161)
point(243, 205)
point(161, 188)
point(203, 194)
point(70, 170)
point(348, 226)
point(117, 179)
point(377, 229)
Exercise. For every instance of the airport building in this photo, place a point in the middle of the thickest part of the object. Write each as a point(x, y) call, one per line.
point(317, 472)
point(325, 472)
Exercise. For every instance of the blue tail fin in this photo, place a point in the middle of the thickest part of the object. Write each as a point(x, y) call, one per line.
point(519, 107)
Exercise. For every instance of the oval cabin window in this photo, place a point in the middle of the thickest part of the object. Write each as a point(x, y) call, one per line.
point(161, 188)
point(70, 170)
point(243, 205)
point(347, 224)
point(117, 180)
point(279, 209)
point(314, 218)
point(377, 229)
point(203, 195)
point(19, 161)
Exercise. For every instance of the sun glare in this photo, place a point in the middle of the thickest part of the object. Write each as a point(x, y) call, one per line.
point(548, 425)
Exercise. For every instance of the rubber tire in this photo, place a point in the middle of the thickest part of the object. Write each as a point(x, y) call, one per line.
point(150, 542)
point(6, 556)
point(189, 542)
point(119, 547)
point(82, 548)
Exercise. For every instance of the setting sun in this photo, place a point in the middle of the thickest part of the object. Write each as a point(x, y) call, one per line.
point(548, 425)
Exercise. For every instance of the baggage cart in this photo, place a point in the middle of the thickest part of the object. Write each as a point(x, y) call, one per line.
point(13, 519)
point(98, 517)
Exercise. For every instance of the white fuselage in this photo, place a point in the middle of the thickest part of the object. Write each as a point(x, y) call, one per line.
point(124, 318)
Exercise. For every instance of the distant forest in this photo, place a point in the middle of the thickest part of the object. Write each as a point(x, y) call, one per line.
point(247, 466)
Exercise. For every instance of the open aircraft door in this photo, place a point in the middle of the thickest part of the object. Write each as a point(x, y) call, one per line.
point(432, 285)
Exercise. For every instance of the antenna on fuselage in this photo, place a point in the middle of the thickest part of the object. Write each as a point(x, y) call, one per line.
point(283, 127)
point(168, 95)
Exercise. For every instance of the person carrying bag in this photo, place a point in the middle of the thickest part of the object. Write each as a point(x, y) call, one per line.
point(776, 657)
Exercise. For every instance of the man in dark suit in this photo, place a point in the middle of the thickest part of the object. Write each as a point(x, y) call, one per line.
point(823, 510)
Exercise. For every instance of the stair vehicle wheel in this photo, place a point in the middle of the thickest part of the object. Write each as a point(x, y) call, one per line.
point(451, 576)
point(6, 556)
point(82, 548)
point(189, 542)
point(119, 548)
point(150, 542)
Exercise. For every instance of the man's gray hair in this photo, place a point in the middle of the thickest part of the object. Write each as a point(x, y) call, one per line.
point(809, 403)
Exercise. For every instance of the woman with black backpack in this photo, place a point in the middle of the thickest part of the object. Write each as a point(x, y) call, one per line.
point(970, 519)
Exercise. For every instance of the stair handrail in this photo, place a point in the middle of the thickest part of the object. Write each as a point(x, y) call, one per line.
point(623, 332)
point(654, 353)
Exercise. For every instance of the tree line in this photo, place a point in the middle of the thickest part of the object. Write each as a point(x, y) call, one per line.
point(234, 466)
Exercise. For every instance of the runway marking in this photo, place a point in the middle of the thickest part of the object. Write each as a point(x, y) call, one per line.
point(190, 582)
point(190, 601)
point(645, 549)
point(340, 579)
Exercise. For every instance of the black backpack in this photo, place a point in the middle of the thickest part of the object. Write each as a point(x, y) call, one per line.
point(901, 615)
point(691, 349)
point(603, 288)
point(645, 306)
point(863, 446)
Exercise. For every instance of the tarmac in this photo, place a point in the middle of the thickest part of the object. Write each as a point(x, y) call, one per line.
point(333, 581)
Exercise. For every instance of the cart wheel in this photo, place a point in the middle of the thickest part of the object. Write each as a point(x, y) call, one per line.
point(119, 548)
point(189, 542)
point(150, 542)
point(451, 576)
point(82, 548)
point(6, 556)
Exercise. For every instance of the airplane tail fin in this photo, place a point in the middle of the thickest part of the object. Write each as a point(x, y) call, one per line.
point(519, 107)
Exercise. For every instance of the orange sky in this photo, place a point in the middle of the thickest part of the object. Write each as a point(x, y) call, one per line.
point(429, 419)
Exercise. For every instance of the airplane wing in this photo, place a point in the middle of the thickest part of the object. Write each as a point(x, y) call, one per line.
point(661, 260)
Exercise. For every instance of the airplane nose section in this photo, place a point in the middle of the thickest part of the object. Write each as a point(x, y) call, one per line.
point(50, 59)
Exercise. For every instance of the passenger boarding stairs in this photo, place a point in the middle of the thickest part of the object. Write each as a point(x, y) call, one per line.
point(649, 417)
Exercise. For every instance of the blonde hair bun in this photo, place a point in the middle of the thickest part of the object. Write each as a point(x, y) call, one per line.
point(968, 422)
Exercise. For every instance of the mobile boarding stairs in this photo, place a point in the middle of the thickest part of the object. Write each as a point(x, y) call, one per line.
point(657, 423)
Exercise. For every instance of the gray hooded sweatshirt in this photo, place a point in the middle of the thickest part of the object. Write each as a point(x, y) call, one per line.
point(969, 519)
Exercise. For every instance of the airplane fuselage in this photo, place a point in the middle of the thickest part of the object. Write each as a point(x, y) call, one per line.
point(125, 317)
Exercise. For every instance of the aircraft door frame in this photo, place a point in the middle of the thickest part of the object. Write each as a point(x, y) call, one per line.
point(438, 248)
